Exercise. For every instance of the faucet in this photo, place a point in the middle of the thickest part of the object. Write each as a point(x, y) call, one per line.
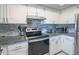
point(22, 30)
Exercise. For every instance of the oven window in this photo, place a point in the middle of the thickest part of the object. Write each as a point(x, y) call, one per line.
point(39, 48)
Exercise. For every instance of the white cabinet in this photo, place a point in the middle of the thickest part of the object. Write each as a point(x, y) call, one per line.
point(55, 45)
point(31, 11)
point(13, 13)
point(2, 13)
point(62, 43)
point(16, 14)
point(68, 45)
point(68, 16)
point(18, 49)
point(51, 17)
point(40, 12)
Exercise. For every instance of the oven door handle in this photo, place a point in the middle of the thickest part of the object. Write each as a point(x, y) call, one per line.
point(36, 40)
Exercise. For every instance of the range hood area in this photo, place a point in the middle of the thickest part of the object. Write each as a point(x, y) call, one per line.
point(36, 17)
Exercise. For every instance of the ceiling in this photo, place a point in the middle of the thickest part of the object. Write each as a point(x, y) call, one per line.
point(58, 6)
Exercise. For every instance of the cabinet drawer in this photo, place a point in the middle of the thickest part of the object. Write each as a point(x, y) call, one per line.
point(19, 53)
point(18, 46)
point(22, 51)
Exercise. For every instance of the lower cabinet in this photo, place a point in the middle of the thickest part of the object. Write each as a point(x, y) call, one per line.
point(68, 45)
point(22, 51)
point(61, 44)
point(15, 49)
point(18, 49)
point(55, 45)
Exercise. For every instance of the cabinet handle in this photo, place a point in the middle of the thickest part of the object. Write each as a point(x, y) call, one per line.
point(4, 19)
point(7, 20)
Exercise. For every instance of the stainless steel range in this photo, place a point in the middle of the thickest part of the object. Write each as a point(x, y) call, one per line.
point(38, 43)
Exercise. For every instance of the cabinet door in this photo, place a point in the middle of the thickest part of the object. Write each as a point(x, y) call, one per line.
point(31, 11)
point(68, 45)
point(54, 45)
point(41, 12)
point(22, 51)
point(2, 19)
point(48, 17)
point(68, 17)
point(18, 45)
point(18, 49)
point(16, 14)
point(51, 17)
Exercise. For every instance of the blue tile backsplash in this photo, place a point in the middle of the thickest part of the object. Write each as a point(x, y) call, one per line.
point(46, 27)
point(49, 28)
point(71, 28)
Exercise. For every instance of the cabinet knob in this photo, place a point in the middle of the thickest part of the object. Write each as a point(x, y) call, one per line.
point(6, 20)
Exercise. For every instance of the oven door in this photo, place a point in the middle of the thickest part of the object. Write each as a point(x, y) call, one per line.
point(39, 47)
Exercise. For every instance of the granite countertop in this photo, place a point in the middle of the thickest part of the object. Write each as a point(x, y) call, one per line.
point(6, 40)
point(68, 34)
point(50, 34)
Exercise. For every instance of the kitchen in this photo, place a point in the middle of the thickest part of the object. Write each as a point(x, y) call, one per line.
point(39, 29)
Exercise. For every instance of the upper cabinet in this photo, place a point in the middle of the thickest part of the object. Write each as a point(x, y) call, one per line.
point(2, 13)
point(68, 18)
point(31, 11)
point(51, 17)
point(48, 15)
point(68, 15)
point(16, 14)
point(41, 12)
point(35, 11)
